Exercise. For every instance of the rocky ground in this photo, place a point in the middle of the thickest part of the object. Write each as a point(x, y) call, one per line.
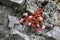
point(15, 10)
point(4, 30)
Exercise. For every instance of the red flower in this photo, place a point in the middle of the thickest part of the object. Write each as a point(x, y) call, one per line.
point(39, 29)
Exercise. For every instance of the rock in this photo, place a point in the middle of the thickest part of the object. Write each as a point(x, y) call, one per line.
point(4, 31)
point(18, 1)
point(35, 37)
point(1, 17)
point(50, 7)
point(31, 6)
point(13, 20)
point(54, 33)
point(16, 37)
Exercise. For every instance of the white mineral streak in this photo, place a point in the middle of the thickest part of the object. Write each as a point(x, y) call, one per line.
point(18, 1)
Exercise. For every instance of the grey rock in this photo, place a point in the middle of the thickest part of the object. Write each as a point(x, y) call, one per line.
point(4, 31)
point(31, 6)
point(16, 37)
point(50, 7)
point(13, 20)
point(54, 33)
